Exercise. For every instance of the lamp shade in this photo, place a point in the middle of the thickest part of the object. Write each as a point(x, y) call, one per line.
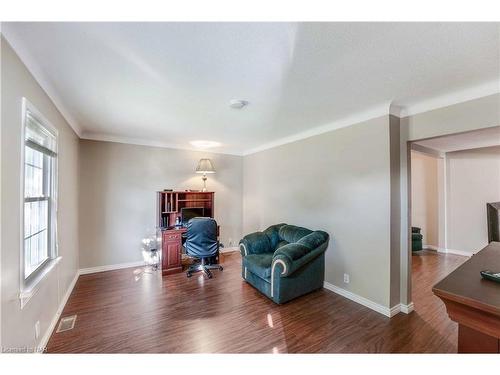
point(205, 166)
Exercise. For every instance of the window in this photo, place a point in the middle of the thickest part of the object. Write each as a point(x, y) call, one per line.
point(40, 188)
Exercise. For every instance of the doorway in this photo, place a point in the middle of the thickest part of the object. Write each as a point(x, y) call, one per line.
point(452, 178)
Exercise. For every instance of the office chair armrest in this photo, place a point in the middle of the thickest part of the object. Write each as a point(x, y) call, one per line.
point(255, 243)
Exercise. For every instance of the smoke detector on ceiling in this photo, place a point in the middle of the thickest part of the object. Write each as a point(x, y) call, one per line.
point(238, 103)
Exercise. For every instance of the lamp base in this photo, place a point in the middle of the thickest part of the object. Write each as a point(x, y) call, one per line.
point(204, 178)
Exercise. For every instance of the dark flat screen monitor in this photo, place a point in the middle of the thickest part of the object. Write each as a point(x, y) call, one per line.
point(188, 213)
point(493, 211)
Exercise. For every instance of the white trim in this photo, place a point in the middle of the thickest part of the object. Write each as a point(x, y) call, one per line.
point(103, 137)
point(227, 250)
point(406, 309)
point(399, 109)
point(361, 116)
point(45, 339)
point(40, 78)
point(457, 252)
point(244, 248)
point(110, 267)
point(416, 147)
point(64, 300)
point(272, 273)
point(29, 291)
point(448, 251)
point(455, 97)
point(389, 312)
point(430, 247)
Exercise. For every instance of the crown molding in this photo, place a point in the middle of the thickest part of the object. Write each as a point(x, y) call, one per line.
point(455, 97)
point(39, 77)
point(374, 112)
point(151, 143)
point(427, 150)
point(386, 108)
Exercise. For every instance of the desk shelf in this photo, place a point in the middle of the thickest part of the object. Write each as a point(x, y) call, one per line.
point(168, 209)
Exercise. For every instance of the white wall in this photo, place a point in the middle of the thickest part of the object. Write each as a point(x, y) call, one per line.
point(473, 179)
point(18, 324)
point(425, 196)
point(118, 196)
point(471, 115)
point(338, 182)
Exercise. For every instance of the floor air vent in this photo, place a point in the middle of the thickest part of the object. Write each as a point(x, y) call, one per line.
point(66, 323)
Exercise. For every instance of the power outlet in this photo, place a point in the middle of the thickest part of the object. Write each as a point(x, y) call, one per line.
point(346, 278)
point(37, 330)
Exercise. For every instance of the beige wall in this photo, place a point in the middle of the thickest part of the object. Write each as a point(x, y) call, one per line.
point(338, 182)
point(473, 179)
point(471, 115)
point(18, 325)
point(425, 196)
point(118, 199)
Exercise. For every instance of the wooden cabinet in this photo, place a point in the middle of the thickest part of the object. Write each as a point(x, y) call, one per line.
point(169, 206)
point(171, 251)
point(171, 203)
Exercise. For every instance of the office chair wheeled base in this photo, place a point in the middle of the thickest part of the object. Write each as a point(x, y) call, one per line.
point(203, 267)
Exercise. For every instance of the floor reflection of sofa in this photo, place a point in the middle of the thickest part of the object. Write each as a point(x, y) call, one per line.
point(284, 261)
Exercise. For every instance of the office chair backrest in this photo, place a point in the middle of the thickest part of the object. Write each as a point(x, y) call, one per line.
point(201, 238)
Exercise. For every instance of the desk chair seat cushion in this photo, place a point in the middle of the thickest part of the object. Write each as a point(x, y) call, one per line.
point(284, 261)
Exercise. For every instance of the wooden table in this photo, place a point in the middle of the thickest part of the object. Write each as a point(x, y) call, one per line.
point(474, 303)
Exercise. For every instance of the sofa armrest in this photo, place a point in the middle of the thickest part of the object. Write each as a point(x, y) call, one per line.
point(255, 243)
point(289, 258)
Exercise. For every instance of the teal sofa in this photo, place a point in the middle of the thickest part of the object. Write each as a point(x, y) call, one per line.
point(416, 239)
point(284, 261)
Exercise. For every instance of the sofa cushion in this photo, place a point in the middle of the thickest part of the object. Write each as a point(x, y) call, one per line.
point(416, 236)
point(314, 239)
point(293, 251)
point(281, 243)
point(273, 234)
point(255, 243)
point(292, 233)
point(259, 264)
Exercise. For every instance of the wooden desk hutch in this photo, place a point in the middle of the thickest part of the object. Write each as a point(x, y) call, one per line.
point(169, 205)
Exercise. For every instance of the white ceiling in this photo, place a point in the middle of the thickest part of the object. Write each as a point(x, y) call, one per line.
point(464, 141)
point(170, 83)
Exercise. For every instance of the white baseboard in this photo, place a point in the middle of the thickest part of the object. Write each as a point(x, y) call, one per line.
point(45, 339)
point(406, 309)
point(456, 252)
point(110, 267)
point(229, 249)
point(361, 300)
point(389, 312)
point(430, 247)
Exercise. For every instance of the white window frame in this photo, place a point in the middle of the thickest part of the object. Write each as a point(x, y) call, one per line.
point(29, 285)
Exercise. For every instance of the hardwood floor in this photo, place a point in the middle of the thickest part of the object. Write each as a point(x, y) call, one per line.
point(131, 311)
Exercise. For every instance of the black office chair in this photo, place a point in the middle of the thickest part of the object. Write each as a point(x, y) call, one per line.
point(201, 242)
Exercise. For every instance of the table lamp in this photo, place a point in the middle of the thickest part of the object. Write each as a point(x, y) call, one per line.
point(205, 166)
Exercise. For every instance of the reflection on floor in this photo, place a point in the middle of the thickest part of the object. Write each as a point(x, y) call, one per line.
point(132, 311)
